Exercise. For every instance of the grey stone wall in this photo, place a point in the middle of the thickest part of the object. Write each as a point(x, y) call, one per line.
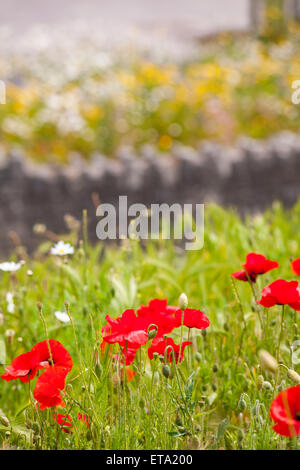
point(249, 177)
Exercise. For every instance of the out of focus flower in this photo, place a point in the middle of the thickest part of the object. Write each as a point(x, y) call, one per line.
point(10, 266)
point(62, 249)
point(255, 264)
point(281, 292)
point(10, 302)
point(62, 316)
point(285, 411)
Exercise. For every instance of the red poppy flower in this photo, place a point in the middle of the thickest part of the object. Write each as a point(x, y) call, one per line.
point(23, 367)
point(191, 318)
point(130, 374)
point(296, 266)
point(158, 313)
point(65, 422)
point(49, 385)
point(281, 292)
point(255, 264)
point(128, 330)
point(285, 411)
point(159, 346)
point(83, 419)
point(60, 355)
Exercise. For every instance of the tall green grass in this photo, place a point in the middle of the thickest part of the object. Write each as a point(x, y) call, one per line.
point(214, 400)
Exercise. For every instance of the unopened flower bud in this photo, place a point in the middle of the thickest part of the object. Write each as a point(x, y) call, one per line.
point(4, 421)
point(198, 356)
point(10, 336)
point(152, 333)
point(292, 374)
point(69, 388)
point(166, 371)
point(267, 361)
point(267, 386)
point(259, 382)
point(183, 301)
point(242, 405)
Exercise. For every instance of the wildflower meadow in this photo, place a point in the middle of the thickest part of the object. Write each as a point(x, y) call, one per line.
point(148, 346)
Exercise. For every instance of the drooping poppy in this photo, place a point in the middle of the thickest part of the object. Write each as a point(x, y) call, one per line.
point(191, 318)
point(128, 330)
point(255, 264)
point(49, 386)
point(281, 292)
point(59, 354)
point(159, 345)
point(285, 411)
point(23, 367)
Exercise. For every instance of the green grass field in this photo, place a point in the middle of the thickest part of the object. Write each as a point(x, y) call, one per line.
point(214, 398)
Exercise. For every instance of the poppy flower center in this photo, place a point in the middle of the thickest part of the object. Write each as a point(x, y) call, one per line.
point(297, 416)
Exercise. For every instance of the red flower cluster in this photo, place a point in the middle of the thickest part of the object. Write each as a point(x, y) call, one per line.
point(51, 356)
point(281, 292)
point(255, 264)
point(166, 348)
point(285, 411)
point(132, 330)
point(65, 421)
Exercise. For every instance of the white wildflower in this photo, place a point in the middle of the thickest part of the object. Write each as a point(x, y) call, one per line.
point(62, 316)
point(61, 249)
point(10, 266)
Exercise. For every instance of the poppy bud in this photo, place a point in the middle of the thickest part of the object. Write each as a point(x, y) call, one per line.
point(242, 405)
point(89, 435)
point(152, 333)
point(36, 428)
point(215, 368)
point(240, 435)
point(4, 421)
point(183, 301)
point(166, 371)
point(267, 386)
point(155, 355)
point(292, 374)
point(267, 361)
point(259, 382)
point(178, 421)
point(198, 356)
point(10, 336)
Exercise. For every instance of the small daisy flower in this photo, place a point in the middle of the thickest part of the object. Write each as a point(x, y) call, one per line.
point(62, 249)
point(10, 266)
point(29, 272)
point(62, 316)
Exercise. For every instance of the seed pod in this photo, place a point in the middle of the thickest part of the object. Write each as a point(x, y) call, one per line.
point(183, 301)
point(166, 371)
point(292, 374)
point(267, 361)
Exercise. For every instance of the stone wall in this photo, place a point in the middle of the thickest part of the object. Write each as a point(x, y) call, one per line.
point(249, 177)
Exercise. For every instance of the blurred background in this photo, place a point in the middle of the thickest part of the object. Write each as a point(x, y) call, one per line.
point(160, 100)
